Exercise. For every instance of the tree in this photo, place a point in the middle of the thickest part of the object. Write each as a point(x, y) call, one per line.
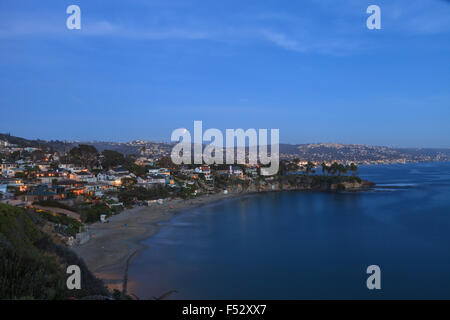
point(164, 162)
point(341, 169)
point(37, 155)
point(14, 156)
point(129, 195)
point(324, 168)
point(54, 166)
point(282, 167)
point(334, 168)
point(293, 166)
point(27, 172)
point(84, 155)
point(20, 175)
point(308, 167)
point(128, 182)
point(112, 159)
point(354, 169)
point(137, 170)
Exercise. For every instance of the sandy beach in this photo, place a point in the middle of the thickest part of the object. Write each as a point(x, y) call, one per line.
point(112, 243)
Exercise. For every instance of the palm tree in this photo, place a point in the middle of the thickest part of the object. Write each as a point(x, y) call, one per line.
point(334, 168)
point(324, 168)
point(354, 169)
point(341, 169)
point(308, 167)
point(347, 169)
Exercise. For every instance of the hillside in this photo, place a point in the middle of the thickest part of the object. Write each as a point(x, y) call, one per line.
point(304, 152)
point(361, 153)
point(32, 265)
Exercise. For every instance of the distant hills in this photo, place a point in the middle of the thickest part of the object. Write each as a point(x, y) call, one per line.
point(62, 146)
point(362, 153)
point(304, 152)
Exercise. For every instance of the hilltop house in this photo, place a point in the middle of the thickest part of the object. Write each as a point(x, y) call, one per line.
point(49, 177)
point(206, 171)
point(119, 172)
point(83, 176)
point(30, 149)
point(143, 161)
point(109, 178)
point(42, 193)
point(71, 186)
point(11, 172)
point(15, 184)
point(164, 171)
point(186, 171)
point(153, 171)
point(151, 182)
point(43, 166)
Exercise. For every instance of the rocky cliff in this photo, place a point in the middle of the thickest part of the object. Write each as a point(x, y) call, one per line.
point(302, 183)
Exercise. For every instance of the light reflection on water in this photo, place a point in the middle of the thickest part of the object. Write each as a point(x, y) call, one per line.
point(297, 245)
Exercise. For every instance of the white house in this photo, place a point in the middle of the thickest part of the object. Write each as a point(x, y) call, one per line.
point(236, 171)
point(83, 176)
point(153, 171)
point(110, 179)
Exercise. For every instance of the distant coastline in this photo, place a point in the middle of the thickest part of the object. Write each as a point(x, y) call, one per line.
point(358, 153)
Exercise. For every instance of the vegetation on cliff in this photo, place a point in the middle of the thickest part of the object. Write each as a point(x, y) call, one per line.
point(32, 266)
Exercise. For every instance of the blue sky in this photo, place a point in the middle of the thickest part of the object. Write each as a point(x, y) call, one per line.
point(139, 69)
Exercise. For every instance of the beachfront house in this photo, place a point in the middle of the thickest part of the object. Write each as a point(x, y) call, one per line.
point(251, 171)
point(236, 171)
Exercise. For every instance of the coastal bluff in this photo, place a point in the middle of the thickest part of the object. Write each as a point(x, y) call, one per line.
point(304, 183)
point(113, 243)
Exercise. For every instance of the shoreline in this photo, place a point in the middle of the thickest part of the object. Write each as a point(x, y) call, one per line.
point(113, 243)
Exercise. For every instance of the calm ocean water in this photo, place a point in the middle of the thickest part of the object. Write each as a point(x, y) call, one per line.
point(309, 245)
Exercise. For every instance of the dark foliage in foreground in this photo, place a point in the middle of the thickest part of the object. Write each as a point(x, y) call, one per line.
point(32, 266)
